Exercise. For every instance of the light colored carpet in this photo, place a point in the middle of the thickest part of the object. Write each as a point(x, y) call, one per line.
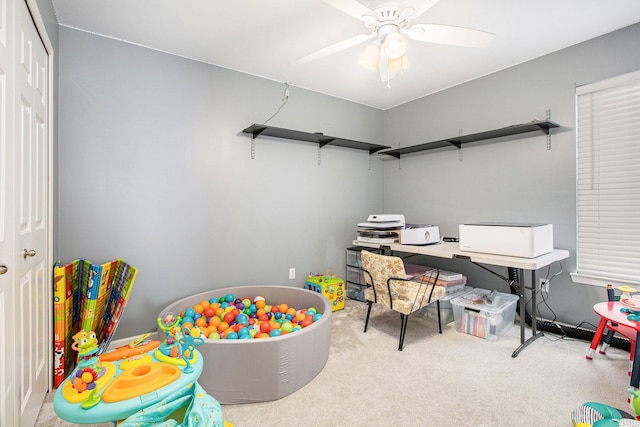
point(453, 379)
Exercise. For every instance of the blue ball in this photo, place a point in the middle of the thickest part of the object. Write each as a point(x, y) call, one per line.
point(189, 312)
point(274, 332)
point(232, 336)
point(229, 298)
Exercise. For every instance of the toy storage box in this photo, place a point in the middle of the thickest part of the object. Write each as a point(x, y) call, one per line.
point(332, 287)
point(446, 309)
point(474, 315)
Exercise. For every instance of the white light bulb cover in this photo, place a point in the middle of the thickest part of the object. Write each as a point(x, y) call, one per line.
point(394, 45)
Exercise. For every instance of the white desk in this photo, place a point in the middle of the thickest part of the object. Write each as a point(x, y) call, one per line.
point(452, 250)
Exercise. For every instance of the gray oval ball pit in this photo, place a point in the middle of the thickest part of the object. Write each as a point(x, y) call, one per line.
point(260, 370)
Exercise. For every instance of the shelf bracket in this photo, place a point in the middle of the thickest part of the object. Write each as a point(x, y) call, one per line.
point(253, 148)
point(548, 131)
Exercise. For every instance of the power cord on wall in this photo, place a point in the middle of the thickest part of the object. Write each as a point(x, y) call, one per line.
point(285, 98)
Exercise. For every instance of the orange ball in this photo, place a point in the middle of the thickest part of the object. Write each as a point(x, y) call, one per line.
point(260, 303)
point(214, 321)
point(223, 326)
point(283, 308)
point(187, 325)
point(201, 321)
point(204, 303)
point(198, 308)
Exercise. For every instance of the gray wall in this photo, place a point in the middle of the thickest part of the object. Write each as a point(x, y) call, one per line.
point(512, 179)
point(154, 168)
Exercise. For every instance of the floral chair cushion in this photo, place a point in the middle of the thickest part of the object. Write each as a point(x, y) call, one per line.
point(406, 296)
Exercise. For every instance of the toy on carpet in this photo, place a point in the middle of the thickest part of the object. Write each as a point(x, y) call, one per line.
point(594, 414)
point(137, 383)
point(229, 317)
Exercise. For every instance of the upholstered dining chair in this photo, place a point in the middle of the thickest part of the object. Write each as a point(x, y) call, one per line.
point(388, 285)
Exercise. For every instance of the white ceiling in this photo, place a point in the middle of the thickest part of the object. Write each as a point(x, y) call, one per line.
point(265, 37)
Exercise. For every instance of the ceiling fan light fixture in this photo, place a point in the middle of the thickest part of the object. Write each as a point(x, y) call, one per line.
point(398, 64)
point(370, 57)
point(394, 45)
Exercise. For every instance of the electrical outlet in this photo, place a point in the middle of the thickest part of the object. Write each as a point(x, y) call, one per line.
point(544, 285)
point(292, 273)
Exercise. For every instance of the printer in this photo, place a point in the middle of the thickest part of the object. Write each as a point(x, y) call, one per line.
point(391, 228)
point(381, 228)
point(383, 221)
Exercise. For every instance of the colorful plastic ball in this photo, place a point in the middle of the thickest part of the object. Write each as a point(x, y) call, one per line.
point(229, 298)
point(209, 311)
point(245, 337)
point(242, 318)
point(214, 336)
point(274, 333)
point(286, 326)
point(252, 332)
point(288, 317)
point(265, 327)
point(198, 308)
point(229, 317)
point(240, 305)
point(253, 308)
point(231, 336)
point(224, 305)
point(317, 317)
point(189, 312)
point(187, 319)
point(246, 302)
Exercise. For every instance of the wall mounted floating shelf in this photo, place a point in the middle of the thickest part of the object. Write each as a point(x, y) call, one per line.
point(317, 138)
point(457, 141)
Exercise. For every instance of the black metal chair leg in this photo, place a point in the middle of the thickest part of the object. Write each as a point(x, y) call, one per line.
point(439, 321)
point(403, 329)
point(366, 322)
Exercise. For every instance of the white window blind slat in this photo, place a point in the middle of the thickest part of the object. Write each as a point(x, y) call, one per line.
point(608, 179)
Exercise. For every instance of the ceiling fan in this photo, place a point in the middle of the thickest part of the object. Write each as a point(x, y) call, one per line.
point(387, 25)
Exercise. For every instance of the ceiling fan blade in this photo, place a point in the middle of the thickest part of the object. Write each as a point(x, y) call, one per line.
point(449, 35)
point(352, 7)
point(418, 8)
point(337, 47)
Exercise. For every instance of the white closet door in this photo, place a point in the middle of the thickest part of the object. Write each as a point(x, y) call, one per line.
point(25, 295)
point(7, 276)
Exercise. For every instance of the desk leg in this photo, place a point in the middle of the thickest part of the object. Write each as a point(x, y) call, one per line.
point(635, 366)
point(534, 312)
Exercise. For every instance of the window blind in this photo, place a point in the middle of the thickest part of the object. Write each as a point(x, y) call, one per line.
point(608, 180)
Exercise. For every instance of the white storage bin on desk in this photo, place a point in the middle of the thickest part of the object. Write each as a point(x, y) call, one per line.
point(476, 314)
